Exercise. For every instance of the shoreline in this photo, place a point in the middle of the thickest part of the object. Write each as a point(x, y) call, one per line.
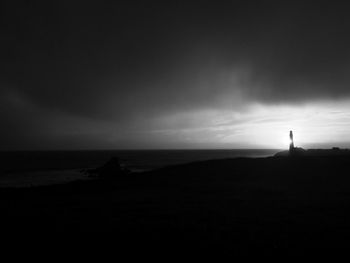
point(273, 202)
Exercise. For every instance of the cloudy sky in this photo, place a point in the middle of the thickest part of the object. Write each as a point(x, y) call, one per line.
point(156, 74)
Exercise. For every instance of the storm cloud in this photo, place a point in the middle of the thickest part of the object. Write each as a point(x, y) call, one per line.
point(124, 65)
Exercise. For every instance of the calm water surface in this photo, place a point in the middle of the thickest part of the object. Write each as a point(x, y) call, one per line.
point(27, 168)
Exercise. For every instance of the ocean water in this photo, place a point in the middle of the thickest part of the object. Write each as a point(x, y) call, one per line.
point(26, 168)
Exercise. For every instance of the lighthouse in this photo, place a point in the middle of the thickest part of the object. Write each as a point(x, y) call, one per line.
point(291, 144)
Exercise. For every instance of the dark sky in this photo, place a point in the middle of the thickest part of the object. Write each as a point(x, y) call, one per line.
point(121, 74)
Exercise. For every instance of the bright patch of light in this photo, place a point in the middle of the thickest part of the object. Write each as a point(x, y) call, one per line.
point(261, 126)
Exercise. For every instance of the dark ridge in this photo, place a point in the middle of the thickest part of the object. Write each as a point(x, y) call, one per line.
point(275, 202)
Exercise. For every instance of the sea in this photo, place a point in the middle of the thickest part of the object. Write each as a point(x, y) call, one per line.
point(33, 168)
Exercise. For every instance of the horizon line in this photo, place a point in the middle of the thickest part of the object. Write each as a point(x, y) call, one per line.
point(140, 149)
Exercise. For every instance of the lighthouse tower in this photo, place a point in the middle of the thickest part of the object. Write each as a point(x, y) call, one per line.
point(291, 144)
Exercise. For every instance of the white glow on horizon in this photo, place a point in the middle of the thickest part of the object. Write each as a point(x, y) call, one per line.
point(261, 126)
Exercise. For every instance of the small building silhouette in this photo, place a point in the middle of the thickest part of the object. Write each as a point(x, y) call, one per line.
point(295, 151)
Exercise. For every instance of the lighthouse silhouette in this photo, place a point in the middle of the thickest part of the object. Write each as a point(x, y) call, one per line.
point(291, 144)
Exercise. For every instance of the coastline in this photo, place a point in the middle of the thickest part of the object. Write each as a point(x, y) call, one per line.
point(273, 202)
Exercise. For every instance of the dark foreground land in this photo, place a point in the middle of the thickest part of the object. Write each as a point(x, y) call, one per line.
point(266, 202)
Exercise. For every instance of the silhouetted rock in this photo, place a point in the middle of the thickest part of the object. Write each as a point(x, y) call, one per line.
point(282, 153)
point(335, 151)
point(110, 169)
point(298, 151)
